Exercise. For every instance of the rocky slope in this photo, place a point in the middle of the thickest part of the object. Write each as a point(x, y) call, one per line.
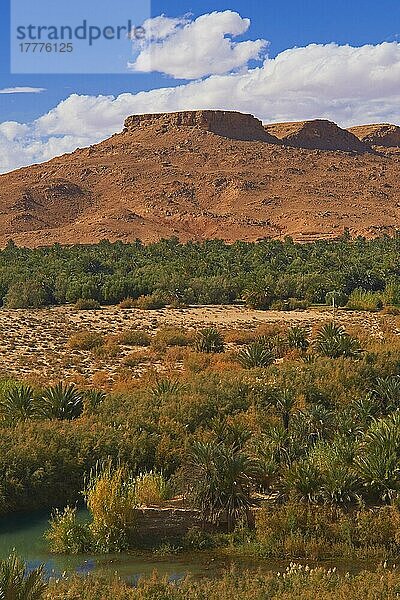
point(205, 174)
point(382, 134)
point(317, 135)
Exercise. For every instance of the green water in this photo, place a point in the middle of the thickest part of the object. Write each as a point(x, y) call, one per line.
point(24, 533)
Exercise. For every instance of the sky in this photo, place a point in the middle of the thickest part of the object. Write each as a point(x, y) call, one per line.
point(279, 60)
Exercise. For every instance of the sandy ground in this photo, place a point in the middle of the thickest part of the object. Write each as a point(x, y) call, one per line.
point(35, 342)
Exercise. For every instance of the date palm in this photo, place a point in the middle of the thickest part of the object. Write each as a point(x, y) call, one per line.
point(220, 481)
point(333, 341)
point(209, 340)
point(387, 392)
point(19, 404)
point(62, 402)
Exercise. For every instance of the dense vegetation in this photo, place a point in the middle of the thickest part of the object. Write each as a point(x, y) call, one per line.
point(269, 273)
point(295, 582)
point(308, 419)
point(317, 424)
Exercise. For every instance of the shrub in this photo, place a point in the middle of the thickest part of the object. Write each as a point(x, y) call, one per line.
point(87, 304)
point(136, 358)
point(66, 535)
point(333, 341)
point(209, 340)
point(150, 302)
point(391, 310)
point(258, 299)
point(85, 340)
point(134, 337)
point(19, 404)
point(111, 499)
point(297, 338)
point(151, 488)
point(28, 294)
point(172, 336)
point(165, 387)
point(127, 303)
point(362, 300)
point(290, 304)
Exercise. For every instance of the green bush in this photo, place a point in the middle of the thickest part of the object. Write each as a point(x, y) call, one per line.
point(66, 535)
point(87, 304)
point(134, 337)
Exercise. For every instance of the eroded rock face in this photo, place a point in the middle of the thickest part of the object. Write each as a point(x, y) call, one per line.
point(228, 124)
point(318, 134)
point(382, 134)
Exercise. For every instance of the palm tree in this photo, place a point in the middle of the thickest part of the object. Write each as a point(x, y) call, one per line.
point(19, 404)
point(220, 481)
point(333, 341)
point(378, 461)
point(16, 583)
point(284, 404)
point(297, 338)
point(209, 340)
point(62, 402)
point(256, 354)
point(387, 391)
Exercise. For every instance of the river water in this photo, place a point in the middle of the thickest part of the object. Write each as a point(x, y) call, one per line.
point(24, 534)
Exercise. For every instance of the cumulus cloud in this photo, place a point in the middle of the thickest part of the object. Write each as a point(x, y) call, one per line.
point(345, 84)
point(186, 49)
point(22, 90)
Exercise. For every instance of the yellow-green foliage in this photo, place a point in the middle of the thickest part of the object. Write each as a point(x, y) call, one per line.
point(85, 340)
point(151, 488)
point(315, 532)
point(296, 582)
point(172, 336)
point(111, 499)
point(66, 535)
point(133, 337)
point(362, 300)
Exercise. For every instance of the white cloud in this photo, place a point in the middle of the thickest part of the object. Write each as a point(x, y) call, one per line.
point(186, 49)
point(341, 83)
point(22, 90)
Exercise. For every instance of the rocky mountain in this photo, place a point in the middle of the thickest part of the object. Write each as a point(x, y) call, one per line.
point(208, 174)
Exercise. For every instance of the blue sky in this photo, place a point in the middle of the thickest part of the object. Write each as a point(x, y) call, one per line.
point(279, 60)
point(284, 23)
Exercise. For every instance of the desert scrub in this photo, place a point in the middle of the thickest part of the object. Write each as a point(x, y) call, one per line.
point(85, 340)
point(153, 301)
point(66, 535)
point(172, 336)
point(127, 303)
point(133, 337)
point(87, 304)
point(133, 359)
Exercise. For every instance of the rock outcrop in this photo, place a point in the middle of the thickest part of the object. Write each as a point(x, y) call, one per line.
point(228, 124)
point(381, 134)
point(203, 175)
point(318, 134)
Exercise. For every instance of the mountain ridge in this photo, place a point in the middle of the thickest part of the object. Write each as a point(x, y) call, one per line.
point(207, 174)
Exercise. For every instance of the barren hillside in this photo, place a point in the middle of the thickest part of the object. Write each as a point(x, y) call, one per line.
point(206, 174)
